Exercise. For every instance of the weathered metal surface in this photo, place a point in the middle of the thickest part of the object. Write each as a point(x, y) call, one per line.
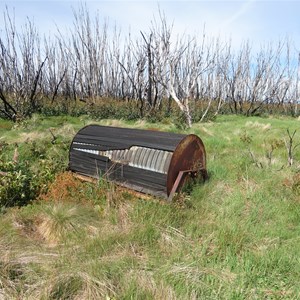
point(115, 138)
point(189, 155)
point(146, 161)
point(97, 166)
point(139, 157)
point(176, 184)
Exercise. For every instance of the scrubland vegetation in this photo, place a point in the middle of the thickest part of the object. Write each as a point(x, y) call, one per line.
point(234, 237)
point(93, 60)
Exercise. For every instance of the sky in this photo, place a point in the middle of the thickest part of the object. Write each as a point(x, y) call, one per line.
point(258, 21)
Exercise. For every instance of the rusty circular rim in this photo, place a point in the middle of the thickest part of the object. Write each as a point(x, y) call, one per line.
point(189, 155)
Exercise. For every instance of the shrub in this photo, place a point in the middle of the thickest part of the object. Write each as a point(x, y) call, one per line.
point(22, 180)
point(112, 109)
point(16, 184)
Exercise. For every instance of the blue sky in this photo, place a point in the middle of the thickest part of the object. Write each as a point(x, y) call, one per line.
point(256, 20)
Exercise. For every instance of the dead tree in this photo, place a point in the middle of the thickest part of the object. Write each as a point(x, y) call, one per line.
point(21, 69)
point(290, 146)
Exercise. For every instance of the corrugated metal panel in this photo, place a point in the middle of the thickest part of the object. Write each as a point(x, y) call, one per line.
point(96, 166)
point(139, 157)
point(124, 138)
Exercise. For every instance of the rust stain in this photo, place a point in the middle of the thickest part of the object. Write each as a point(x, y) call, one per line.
point(189, 155)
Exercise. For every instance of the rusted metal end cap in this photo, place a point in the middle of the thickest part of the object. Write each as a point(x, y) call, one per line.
point(189, 155)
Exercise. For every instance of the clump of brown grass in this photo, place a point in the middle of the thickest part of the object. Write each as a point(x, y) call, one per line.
point(145, 281)
point(296, 184)
point(53, 223)
point(66, 130)
point(171, 239)
point(193, 274)
point(30, 136)
point(259, 125)
point(63, 189)
point(60, 223)
point(293, 183)
point(56, 223)
point(123, 217)
point(78, 285)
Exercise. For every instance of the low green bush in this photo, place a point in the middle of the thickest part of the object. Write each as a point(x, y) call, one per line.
point(17, 185)
point(114, 110)
point(30, 172)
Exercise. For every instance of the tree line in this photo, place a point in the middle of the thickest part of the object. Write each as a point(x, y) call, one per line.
point(95, 60)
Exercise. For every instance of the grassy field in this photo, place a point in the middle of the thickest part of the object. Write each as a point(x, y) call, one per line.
point(234, 237)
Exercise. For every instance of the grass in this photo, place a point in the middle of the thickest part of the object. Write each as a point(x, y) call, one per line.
point(234, 237)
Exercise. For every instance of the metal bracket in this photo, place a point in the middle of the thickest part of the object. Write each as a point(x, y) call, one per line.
point(178, 181)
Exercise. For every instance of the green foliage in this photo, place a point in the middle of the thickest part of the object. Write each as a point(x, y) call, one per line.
point(26, 169)
point(21, 182)
point(16, 184)
point(233, 237)
point(154, 116)
point(198, 107)
point(180, 121)
point(111, 109)
point(66, 288)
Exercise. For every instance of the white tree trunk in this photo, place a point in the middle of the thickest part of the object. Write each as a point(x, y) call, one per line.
point(184, 107)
